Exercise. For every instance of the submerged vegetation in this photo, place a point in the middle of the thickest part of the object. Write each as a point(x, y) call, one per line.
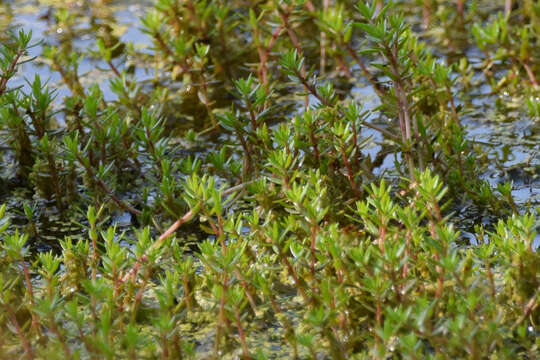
point(270, 179)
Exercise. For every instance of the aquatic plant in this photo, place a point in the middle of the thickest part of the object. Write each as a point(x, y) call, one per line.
point(326, 225)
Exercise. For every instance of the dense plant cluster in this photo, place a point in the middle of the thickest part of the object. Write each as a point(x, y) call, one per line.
point(326, 221)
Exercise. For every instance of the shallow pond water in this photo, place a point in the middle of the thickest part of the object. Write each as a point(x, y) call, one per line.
point(494, 121)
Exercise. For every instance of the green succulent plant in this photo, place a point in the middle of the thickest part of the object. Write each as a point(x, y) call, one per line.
point(249, 200)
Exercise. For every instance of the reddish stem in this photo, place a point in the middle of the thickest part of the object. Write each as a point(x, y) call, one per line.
point(20, 333)
point(241, 333)
point(11, 70)
point(350, 174)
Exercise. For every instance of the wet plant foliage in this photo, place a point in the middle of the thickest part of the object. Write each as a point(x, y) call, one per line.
point(301, 179)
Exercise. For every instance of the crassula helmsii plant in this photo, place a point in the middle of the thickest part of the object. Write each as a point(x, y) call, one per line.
point(309, 244)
